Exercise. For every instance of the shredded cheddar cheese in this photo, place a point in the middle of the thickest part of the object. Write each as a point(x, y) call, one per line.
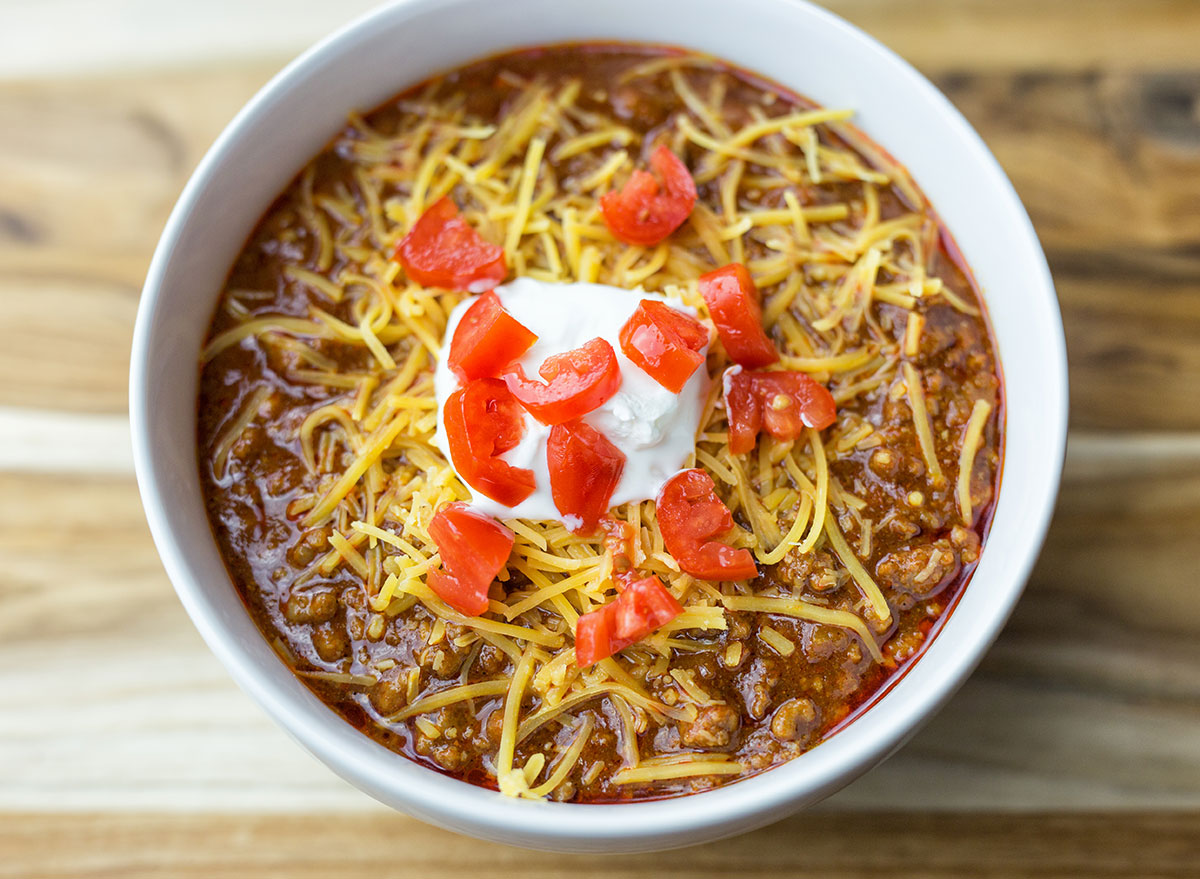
point(966, 460)
point(375, 479)
point(920, 414)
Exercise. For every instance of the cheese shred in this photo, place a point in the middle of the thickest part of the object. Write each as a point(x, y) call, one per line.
point(966, 459)
point(920, 414)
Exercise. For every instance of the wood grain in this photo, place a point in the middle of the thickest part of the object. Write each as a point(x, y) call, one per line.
point(1045, 35)
point(1102, 160)
point(48, 441)
point(1090, 698)
point(89, 171)
point(977, 34)
point(125, 749)
point(865, 846)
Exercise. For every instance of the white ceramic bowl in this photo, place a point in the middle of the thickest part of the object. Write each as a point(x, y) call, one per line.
point(797, 44)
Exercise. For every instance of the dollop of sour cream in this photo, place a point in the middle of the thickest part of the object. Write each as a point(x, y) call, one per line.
point(655, 428)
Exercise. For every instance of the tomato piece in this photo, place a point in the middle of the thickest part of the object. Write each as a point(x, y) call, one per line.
point(644, 605)
point(585, 468)
point(472, 544)
point(690, 515)
point(483, 420)
point(577, 382)
point(743, 410)
point(733, 303)
point(487, 339)
point(649, 208)
point(474, 548)
point(793, 401)
point(442, 250)
point(666, 344)
point(781, 403)
point(460, 594)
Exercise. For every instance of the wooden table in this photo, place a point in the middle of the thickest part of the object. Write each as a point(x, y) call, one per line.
point(125, 750)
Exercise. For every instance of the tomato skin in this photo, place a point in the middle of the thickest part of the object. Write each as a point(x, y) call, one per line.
point(781, 403)
point(470, 543)
point(644, 606)
point(592, 641)
point(487, 339)
point(442, 250)
point(743, 410)
point(809, 403)
point(644, 211)
point(459, 594)
point(666, 344)
point(733, 303)
point(690, 515)
point(577, 382)
point(473, 548)
point(585, 468)
point(483, 420)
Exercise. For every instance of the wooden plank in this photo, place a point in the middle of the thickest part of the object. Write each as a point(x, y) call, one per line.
point(979, 34)
point(45, 441)
point(1089, 699)
point(65, 342)
point(1007, 35)
point(921, 846)
point(1100, 159)
point(1108, 165)
point(1105, 162)
point(88, 173)
point(1132, 324)
point(125, 707)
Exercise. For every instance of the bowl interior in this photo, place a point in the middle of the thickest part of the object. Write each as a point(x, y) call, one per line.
point(800, 46)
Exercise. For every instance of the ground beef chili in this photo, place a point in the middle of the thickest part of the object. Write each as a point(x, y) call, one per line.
point(292, 389)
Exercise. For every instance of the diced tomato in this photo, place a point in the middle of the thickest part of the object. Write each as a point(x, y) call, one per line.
point(577, 382)
point(584, 471)
point(666, 344)
point(483, 420)
point(646, 210)
point(487, 339)
point(743, 410)
point(644, 605)
point(441, 250)
point(733, 303)
point(474, 548)
point(458, 593)
point(472, 544)
point(781, 403)
point(690, 515)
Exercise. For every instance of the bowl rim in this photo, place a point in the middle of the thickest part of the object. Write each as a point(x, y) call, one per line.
point(642, 825)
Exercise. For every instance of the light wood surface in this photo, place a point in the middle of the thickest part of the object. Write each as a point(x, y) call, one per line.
point(864, 846)
point(126, 750)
